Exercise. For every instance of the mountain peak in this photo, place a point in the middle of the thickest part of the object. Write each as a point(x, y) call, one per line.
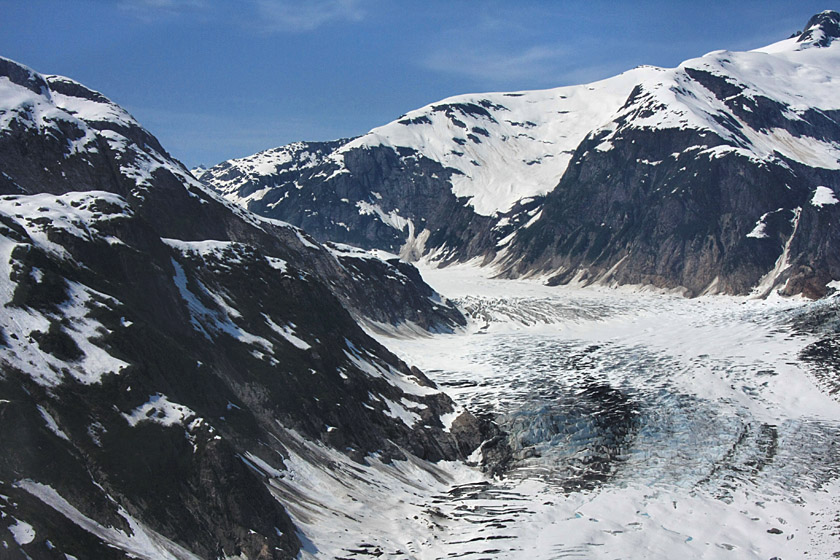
point(821, 29)
point(23, 76)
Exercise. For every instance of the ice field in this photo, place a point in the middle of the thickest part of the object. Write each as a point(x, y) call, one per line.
point(643, 425)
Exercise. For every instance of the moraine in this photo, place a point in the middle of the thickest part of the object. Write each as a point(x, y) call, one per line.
point(638, 421)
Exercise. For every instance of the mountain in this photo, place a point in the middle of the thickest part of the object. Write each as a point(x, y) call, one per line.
point(198, 171)
point(163, 352)
point(717, 176)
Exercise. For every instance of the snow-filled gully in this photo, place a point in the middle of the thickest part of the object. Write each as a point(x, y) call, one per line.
point(643, 426)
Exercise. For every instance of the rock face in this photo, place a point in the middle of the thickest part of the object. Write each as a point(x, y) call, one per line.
point(733, 184)
point(372, 197)
point(718, 176)
point(161, 349)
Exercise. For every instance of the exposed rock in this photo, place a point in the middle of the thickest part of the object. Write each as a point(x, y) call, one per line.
point(162, 348)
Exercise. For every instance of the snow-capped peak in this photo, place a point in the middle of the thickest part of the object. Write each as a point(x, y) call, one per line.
point(506, 147)
point(198, 171)
point(821, 29)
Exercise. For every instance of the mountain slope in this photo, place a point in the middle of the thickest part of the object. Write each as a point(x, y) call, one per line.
point(163, 352)
point(693, 177)
point(731, 152)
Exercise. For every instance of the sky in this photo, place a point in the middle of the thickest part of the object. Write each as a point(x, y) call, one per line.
point(218, 79)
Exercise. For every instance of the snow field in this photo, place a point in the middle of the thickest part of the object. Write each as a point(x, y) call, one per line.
point(643, 425)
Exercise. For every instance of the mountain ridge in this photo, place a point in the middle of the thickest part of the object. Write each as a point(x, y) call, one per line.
point(164, 351)
point(469, 177)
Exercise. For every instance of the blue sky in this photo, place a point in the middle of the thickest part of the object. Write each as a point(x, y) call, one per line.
point(215, 79)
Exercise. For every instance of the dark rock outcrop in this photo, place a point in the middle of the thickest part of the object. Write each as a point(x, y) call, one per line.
point(373, 198)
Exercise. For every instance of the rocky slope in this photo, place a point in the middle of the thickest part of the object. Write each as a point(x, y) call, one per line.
point(715, 176)
point(737, 158)
point(162, 351)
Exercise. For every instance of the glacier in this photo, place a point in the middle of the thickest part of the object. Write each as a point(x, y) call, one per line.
point(642, 424)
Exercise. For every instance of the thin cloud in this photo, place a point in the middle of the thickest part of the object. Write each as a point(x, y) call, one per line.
point(164, 4)
point(538, 63)
point(269, 16)
point(151, 9)
point(305, 15)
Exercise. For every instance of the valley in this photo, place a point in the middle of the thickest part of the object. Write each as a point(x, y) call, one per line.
point(594, 321)
point(641, 423)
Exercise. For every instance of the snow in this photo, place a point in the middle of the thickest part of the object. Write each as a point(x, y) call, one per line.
point(140, 541)
point(52, 424)
point(758, 232)
point(771, 279)
point(504, 148)
point(211, 322)
point(370, 366)
point(94, 119)
point(160, 410)
point(198, 171)
point(89, 110)
point(96, 361)
point(77, 213)
point(288, 333)
point(203, 247)
point(676, 101)
point(707, 375)
point(348, 504)
point(709, 379)
point(533, 134)
point(448, 418)
point(399, 412)
point(823, 196)
point(97, 119)
point(22, 532)
point(531, 137)
point(392, 218)
point(20, 324)
point(260, 466)
point(305, 239)
point(38, 111)
point(344, 250)
point(224, 254)
point(269, 163)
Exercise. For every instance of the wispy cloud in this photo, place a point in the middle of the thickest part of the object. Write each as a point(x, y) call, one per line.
point(269, 16)
point(534, 45)
point(164, 4)
point(305, 15)
point(499, 66)
point(153, 9)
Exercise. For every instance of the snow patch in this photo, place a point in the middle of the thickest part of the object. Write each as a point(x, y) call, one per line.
point(392, 218)
point(209, 321)
point(23, 352)
point(23, 532)
point(823, 196)
point(52, 424)
point(140, 541)
point(288, 333)
point(160, 410)
point(399, 412)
